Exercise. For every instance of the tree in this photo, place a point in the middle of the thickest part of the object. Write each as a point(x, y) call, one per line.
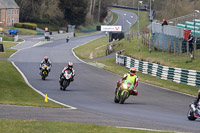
point(74, 11)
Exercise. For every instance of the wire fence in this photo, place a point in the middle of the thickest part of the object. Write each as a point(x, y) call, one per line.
point(183, 19)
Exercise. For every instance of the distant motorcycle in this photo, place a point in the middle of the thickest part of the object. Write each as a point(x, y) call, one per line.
point(67, 78)
point(44, 71)
point(123, 92)
point(191, 111)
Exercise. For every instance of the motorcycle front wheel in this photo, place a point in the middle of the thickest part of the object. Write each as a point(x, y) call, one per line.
point(123, 98)
point(65, 84)
point(44, 75)
point(190, 115)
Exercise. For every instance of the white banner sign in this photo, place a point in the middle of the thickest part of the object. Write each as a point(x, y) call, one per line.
point(111, 28)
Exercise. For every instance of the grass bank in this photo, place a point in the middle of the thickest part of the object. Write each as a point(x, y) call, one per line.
point(114, 19)
point(16, 126)
point(15, 91)
point(7, 51)
point(21, 31)
point(13, 88)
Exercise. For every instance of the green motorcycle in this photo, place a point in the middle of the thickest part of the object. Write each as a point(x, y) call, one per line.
point(123, 92)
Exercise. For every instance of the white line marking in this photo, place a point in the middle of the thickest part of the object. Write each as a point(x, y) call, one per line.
point(25, 79)
point(146, 129)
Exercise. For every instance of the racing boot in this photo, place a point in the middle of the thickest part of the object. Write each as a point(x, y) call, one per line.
point(134, 92)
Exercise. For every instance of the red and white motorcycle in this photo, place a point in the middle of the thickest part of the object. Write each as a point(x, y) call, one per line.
point(66, 78)
point(194, 112)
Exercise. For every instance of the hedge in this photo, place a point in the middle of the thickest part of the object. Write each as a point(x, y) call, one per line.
point(26, 25)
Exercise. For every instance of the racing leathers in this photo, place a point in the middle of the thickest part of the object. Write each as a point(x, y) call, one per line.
point(48, 63)
point(63, 71)
point(133, 79)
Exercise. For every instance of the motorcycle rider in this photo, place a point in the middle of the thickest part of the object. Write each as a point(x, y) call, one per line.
point(68, 67)
point(133, 78)
point(47, 62)
point(196, 101)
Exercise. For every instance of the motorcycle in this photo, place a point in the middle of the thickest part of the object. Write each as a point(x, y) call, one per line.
point(66, 79)
point(191, 113)
point(44, 71)
point(123, 92)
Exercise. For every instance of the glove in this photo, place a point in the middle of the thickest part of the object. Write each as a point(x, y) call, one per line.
point(61, 75)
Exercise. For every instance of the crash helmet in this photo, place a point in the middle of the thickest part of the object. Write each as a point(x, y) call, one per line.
point(70, 65)
point(132, 71)
point(46, 58)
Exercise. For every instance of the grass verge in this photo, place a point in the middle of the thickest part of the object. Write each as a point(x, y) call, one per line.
point(92, 49)
point(16, 126)
point(7, 51)
point(13, 89)
point(21, 31)
point(114, 19)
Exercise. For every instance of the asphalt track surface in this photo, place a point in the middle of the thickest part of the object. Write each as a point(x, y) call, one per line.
point(92, 92)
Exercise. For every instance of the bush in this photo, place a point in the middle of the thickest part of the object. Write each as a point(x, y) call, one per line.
point(26, 25)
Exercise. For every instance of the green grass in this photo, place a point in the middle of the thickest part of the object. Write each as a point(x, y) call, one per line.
point(114, 19)
point(89, 27)
point(93, 49)
point(29, 126)
point(7, 38)
point(21, 31)
point(163, 58)
point(14, 90)
point(50, 27)
point(7, 52)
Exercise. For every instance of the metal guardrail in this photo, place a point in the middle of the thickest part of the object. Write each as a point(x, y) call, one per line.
point(178, 75)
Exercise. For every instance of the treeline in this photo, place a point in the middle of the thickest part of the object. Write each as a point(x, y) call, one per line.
point(63, 12)
point(166, 9)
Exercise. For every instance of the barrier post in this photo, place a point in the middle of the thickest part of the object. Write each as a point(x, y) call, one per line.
point(168, 46)
point(174, 49)
point(162, 45)
point(187, 49)
point(180, 48)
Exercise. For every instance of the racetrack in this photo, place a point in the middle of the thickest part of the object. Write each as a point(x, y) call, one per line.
point(93, 89)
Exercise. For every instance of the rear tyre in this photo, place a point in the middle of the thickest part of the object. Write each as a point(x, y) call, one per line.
point(190, 115)
point(123, 98)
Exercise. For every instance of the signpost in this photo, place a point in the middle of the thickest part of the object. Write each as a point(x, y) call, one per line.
point(109, 28)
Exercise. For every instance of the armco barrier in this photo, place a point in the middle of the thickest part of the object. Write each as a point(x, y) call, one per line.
point(178, 75)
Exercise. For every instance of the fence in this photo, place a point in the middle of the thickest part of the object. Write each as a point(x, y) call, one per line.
point(178, 75)
point(183, 19)
point(168, 30)
point(171, 39)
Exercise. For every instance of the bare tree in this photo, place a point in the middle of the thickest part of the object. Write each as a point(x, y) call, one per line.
point(99, 11)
